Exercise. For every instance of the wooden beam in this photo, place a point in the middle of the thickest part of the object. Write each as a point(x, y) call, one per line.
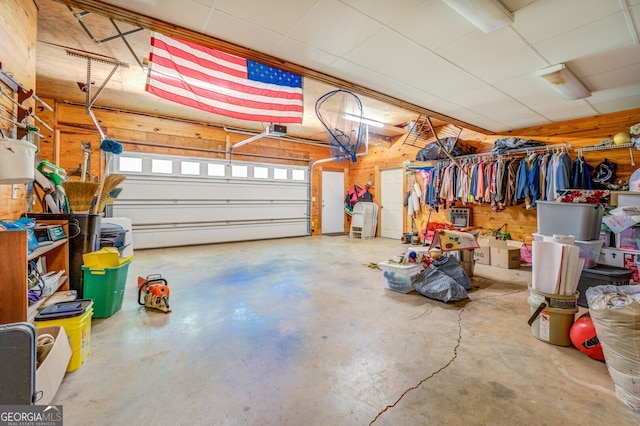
point(172, 30)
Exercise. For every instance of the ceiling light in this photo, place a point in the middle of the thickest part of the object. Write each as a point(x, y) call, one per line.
point(363, 120)
point(564, 82)
point(487, 15)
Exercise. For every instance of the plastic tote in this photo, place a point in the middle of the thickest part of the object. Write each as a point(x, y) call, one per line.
point(75, 317)
point(17, 161)
point(106, 288)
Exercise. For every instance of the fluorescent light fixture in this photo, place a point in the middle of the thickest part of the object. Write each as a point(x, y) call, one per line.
point(487, 15)
point(564, 82)
point(363, 120)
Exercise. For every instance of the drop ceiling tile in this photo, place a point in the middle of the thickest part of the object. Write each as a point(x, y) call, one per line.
point(616, 99)
point(433, 24)
point(299, 53)
point(568, 110)
point(621, 76)
point(503, 109)
point(276, 15)
point(353, 72)
point(606, 61)
point(608, 33)
point(242, 33)
point(528, 120)
point(334, 27)
point(477, 119)
point(207, 3)
point(434, 75)
point(515, 64)
point(542, 20)
point(186, 13)
point(384, 51)
point(477, 97)
point(529, 90)
point(479, 48)
point(383, 11)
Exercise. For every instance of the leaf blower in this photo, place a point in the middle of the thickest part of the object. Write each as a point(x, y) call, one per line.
point(153, 292)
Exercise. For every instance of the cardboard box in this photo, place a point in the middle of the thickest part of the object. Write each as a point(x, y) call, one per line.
point(51, 370)
point(505, 254)
point(482, 255)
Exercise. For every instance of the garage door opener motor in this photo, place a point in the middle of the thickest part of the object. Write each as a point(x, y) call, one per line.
point(153, 292)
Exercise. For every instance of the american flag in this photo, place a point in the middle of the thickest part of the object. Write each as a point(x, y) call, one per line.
point(223, 84)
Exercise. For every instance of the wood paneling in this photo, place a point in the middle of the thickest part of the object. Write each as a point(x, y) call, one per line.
point(18, 30)
point(520, 222)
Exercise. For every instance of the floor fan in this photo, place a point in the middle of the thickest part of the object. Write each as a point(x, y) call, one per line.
point(341, 114)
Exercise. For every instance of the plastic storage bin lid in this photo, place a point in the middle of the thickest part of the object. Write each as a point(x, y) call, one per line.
point(610, 271)
point(61, 310)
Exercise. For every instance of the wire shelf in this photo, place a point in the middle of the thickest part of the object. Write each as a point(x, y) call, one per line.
point(490, 154)
point(629, 145)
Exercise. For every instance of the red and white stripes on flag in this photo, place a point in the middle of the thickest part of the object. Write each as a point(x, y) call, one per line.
point(223, 84)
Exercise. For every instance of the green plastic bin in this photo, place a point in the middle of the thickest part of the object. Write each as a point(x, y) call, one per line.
point(106, 288)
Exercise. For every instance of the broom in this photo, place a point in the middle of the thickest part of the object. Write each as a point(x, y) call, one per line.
point(80, 194)
point(110, 183)
point(110, 148)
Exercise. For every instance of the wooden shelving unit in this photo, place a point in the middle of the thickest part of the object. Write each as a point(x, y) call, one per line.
point(14, 271)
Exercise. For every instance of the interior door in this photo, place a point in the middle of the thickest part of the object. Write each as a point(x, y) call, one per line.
point(391, 208)
point(332, 202)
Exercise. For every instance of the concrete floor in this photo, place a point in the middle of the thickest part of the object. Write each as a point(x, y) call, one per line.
point(300, 332)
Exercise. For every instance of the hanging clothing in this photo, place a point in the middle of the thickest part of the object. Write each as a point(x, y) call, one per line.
point(582, 174)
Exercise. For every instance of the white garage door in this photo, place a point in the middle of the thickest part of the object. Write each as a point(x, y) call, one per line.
point(174, 201)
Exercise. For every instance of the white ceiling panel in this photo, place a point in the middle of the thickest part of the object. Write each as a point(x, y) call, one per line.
point(279, 16)
point(473, 98)
point(606, 61)
point(477, 48)
point(242, 33)
point(186, 13)
point(434, 75)
point(613, 78)
point(508, 109)
point(545, 19)
point(516, 64)
point(627, 96)
point(297, 52)
point(334, 27)
point(384, 11)
point(433, 24)
point(565, 111)
point(529, 90)
point(385, 51)
point(610, 32)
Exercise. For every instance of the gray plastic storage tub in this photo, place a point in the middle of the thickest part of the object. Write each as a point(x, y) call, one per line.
point(583, 221)
point(601, 275)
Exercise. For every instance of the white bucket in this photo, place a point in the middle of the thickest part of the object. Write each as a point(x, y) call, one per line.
point(17, 160)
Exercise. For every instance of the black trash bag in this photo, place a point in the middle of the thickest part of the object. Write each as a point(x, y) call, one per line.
point(452, 145)
point(435, 284)
point(450, 266)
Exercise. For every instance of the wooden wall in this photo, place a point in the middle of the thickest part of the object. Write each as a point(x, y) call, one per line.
point(18, 31)
point(146, 133)
point(162, 135)
point(520, 222)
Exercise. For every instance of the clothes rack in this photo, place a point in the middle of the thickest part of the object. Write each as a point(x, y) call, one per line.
point(426, 164)
point(630, 145)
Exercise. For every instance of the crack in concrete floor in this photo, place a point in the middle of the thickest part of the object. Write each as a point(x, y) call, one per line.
point(453, 358)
